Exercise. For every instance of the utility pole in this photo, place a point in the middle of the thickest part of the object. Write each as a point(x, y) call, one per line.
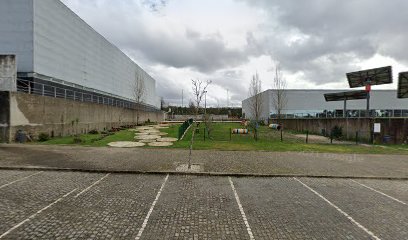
point(182, 100)
point(205, 102)
point(227, 98)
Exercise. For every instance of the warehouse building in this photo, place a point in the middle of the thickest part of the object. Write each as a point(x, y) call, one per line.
point(56, 54)
point(308, 103)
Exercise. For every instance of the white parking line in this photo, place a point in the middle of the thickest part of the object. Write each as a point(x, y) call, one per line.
point(341, 211)
point(151, 209)
point(93, 184)
point(35, 214)
point(18, 180)
point(241, 209)
point(397, 200)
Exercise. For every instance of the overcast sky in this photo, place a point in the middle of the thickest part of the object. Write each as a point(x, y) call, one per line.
point(227, 41)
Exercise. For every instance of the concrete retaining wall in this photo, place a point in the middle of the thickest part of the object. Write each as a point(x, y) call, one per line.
point(4, 116)
point(8, 73)
point(396, 128)
point(59, 117)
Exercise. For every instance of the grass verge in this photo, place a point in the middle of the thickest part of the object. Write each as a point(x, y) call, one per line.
point(221, 139)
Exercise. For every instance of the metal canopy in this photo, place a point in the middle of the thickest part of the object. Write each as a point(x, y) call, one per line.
point(403, 85)
point(344, 96)
point(376, 76)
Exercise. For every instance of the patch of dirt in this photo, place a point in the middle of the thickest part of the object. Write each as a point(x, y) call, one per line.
point(147, 137)
point(160, 144)
point(320, 139)
point(169, 139)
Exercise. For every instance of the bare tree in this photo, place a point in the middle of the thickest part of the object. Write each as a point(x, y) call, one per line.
point(139, 91)
point(255, 102)
point(191, 107)
point(199, 89)
point(255, 98)
point(279, 99)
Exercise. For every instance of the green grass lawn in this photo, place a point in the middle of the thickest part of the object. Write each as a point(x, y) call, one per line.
point(91, 140)
point(268, 140)
point(221, 139)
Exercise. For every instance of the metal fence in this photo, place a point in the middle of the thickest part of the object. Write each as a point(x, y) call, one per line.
point(392, 113)
point(32, 87)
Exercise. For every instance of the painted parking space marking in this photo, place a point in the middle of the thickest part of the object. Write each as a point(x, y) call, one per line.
point(139, 234)
point(90, 186)
point(386, 195)
point(6, 174)
point(341, 211)
point(241, 209)
point(19, 180)
point(35, 214)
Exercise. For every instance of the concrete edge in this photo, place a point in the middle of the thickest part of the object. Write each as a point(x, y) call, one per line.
point(215, 174)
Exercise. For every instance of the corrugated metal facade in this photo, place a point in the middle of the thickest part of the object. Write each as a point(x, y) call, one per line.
point(304, 101)
point(51, 40)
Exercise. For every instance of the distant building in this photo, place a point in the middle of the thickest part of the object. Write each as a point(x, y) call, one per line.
point(311, 103)
point(54, 46)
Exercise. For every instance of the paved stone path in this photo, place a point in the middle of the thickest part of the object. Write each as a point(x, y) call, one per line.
point(67, 205)
point(322, 164)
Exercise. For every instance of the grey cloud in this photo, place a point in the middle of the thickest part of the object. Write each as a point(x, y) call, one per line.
point(339, 32)
point(193, 50)
point(189, 49)
point(165, 87)
point(155, 5)
point(231, 80)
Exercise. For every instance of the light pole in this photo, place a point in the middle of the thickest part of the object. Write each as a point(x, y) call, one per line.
point(205, 102)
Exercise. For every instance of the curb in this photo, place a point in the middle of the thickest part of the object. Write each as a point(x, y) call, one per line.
point(212, 174)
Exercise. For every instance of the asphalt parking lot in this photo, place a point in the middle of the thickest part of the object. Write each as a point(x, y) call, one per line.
point(73, 205)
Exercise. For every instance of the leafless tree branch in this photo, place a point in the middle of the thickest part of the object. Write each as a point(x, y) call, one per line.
point(255, 97)
point(279, 98)
point(199, 89)
point(138, 91)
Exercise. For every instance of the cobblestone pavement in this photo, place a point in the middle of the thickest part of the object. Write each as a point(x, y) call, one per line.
point(322, 164)
point(66, 205)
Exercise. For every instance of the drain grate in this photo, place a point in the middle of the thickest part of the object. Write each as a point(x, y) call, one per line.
point(194, 168)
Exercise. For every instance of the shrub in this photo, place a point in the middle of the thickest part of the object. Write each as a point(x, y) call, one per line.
point(77, 139)
point(43, 137)
point(337, 132)
point(208, 125)
point(93, 131)
point(262, 123)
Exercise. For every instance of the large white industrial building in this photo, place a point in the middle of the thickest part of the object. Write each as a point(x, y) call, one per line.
point(55, 46)
point(310, 103)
